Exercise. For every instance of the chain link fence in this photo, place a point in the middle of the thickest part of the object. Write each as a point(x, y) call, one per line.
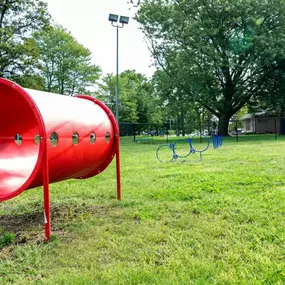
point(249, 128)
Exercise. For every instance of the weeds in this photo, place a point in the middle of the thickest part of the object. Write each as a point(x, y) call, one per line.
point(6, 239)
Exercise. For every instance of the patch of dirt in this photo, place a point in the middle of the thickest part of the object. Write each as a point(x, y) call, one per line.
point(30, 226)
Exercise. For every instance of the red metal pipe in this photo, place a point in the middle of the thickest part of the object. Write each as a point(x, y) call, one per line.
point(118, 170)
point(46, 195)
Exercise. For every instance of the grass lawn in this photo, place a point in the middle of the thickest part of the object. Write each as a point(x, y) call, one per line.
point(216, 221)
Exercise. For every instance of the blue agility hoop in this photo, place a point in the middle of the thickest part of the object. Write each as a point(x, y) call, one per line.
point(202, 150)
point(190, 148)
point(173, 156)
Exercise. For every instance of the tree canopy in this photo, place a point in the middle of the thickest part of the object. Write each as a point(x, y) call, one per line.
point(137, 102)
point(176, 105)
point(65, 64)
point(18, 20)
point(218, 53)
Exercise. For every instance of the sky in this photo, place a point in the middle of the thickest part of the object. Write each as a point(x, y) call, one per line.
point(87, 20)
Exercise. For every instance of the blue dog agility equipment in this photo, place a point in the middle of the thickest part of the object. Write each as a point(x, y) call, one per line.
point(217, 141)
point(173, 154)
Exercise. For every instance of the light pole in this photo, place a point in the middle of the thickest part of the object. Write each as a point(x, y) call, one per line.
point(122, 20)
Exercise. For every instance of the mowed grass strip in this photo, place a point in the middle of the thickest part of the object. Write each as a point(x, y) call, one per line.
point(216, 221)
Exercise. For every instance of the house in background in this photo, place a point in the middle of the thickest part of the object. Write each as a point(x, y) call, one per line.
point(263, 123)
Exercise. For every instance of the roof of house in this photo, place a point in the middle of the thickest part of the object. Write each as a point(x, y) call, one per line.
point(267, 112)
point(248, 116)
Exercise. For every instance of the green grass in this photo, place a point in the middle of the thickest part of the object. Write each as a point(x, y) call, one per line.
point(216, 221)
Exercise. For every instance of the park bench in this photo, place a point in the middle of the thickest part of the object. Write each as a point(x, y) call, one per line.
point(144, 140)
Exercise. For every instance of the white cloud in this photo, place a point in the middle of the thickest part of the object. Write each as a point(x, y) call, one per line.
point(87, 20)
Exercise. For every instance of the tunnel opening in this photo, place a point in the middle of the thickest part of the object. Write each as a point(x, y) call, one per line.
point(20, 130)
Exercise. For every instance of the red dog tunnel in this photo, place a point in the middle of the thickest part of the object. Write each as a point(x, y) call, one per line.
point(46, 137)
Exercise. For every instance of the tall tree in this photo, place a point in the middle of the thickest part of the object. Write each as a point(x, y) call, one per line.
point(137, 102)
point(273, 95)
point(127, 101)
point(66, 64)
point(177, 105)
point(217, 52)
point(147, 107)
point(30, 80)
point(18, 19)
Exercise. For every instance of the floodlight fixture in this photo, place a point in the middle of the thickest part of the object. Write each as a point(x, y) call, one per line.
point(124, 20)
point(113, 18)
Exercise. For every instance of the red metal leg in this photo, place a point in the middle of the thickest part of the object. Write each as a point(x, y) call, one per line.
point(46, 195)
point(118, 167)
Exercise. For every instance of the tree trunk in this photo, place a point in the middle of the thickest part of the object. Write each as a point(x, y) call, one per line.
point(223, 125)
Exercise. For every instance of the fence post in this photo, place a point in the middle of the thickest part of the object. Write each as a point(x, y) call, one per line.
point(157, 130)
point(200, 132)
point(236, 130)
point(209, 128)
point(166, 135)
point(275, 126)
point(134, 131)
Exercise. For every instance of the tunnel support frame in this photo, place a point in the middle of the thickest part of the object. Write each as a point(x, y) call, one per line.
point(46, 193)
point(45, 167)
